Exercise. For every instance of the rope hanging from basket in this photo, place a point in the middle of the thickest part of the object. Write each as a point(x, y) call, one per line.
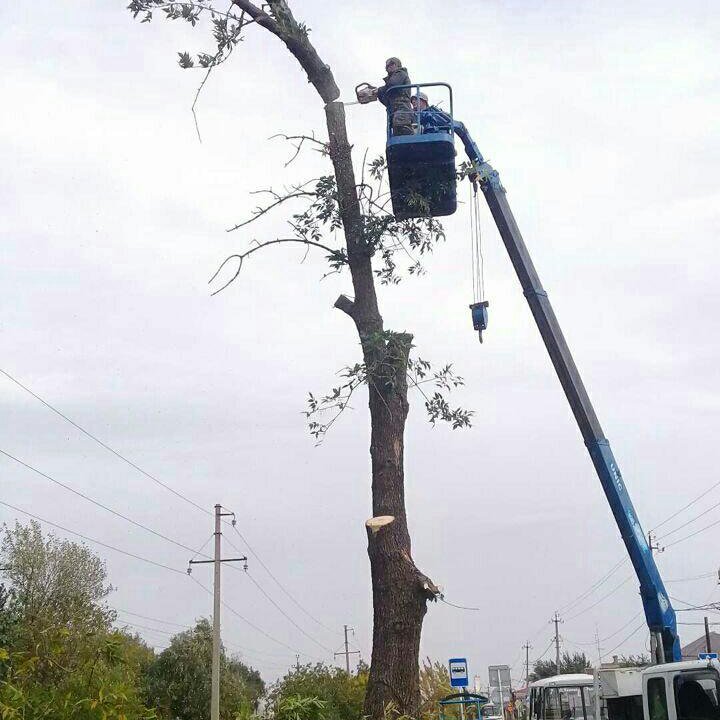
point(478, 261)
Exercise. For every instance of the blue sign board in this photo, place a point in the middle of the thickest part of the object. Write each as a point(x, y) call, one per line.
point(458, 672)
point(707, 656)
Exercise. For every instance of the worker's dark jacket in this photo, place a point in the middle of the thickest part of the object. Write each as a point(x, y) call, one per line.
point(399, 100)
point(435, 120)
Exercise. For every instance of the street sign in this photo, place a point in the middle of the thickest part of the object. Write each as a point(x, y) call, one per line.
point(499, 676)
point(458, 672)
point(707, 656)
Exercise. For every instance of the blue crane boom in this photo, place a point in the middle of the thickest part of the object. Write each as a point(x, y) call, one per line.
point(659, 612)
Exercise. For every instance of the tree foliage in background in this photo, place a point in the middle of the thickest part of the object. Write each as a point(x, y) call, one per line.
point(575, 663)
point(296, 707)
point(434, 685)
point(342, 695)
point(179, 679)
point(60, 658)
point(641, 660)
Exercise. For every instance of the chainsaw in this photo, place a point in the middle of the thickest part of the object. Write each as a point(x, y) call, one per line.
point(365, 93)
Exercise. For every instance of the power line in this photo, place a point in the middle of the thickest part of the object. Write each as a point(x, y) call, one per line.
point(603, 598)
point(694, 577)
point(151, 562)
point(246, 652)
point(153, 619)
point(619, 630)
point(251, 651)
point(93, 540)
point(104, 445)
point(552, 642)
point(594, 586)
point(252, 625)
point(116, 513)
point(612, 635)
point(692, 606)
point(145, 627)
point(624, 640)
point(685, 507)
point(159, 482)
point(689, 522)
point(697, 532)
point(274, 604)
point(277, 582)
point(284, 614)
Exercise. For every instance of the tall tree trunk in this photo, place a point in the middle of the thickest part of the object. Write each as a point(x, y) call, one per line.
point(400, 590)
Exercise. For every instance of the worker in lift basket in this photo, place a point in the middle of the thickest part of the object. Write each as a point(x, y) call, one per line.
point(431, 118)
point(398, 102)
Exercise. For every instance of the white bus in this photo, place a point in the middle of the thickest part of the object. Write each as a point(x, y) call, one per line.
point(563, 697)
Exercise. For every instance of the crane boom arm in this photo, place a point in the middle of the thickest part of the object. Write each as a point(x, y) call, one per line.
point(659, 613)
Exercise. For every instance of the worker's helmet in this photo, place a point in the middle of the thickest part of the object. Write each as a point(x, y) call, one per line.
point(392, 60)
point(422, 96)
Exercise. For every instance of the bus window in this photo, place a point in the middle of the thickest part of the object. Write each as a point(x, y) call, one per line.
point(571, 704)
point(589, 697)
point(552, 709)
point(535, 704)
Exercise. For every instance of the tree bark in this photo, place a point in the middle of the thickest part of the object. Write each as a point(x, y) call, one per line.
point(400, 590)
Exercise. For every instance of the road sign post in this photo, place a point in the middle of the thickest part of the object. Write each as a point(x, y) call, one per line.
point(459, 678)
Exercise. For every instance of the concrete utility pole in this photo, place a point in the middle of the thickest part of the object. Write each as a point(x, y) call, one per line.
point(527, 647)
point(556, 619)
point(347, 652)
point(708, 646)
point(216, 561)
point(597, 644)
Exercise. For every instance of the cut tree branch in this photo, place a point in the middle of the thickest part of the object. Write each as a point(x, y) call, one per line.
point(345, 304)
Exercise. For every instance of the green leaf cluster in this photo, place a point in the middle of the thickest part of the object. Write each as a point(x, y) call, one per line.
point(319, 692)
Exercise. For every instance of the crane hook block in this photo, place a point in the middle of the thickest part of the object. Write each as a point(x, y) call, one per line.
point(480, 317)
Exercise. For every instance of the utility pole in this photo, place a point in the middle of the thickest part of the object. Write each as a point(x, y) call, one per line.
point(527, 647)
point(297, 663)
point(556, 620)
point(654, 545)
point(217, 561)
point(708, 645)
point(347, 652)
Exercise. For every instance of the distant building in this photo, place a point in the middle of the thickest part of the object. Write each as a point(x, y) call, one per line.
point(691, 650)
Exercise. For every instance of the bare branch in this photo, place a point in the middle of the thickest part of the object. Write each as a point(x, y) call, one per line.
point(240, 257)
point(324, 149)
point(280, 199)
point(194, 103)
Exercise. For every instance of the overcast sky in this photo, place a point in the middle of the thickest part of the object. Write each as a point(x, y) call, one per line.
point(602, 120)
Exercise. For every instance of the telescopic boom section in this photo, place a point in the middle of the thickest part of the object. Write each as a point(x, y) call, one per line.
point(659, 613)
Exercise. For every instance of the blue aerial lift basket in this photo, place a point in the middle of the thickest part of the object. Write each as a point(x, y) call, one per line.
point(421, 166)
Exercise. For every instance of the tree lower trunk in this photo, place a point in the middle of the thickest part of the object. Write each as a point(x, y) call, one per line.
point(400, 590)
